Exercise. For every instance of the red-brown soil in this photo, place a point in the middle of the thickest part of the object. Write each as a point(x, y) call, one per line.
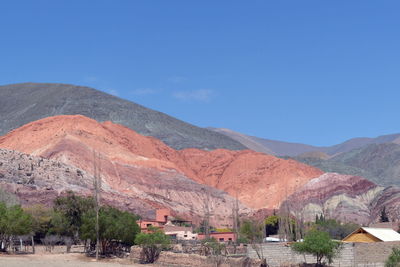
point(135, 163)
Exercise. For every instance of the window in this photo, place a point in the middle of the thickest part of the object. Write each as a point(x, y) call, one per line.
point(221, 239)
point(184, 235)
point(149, 224)
point(230, 239)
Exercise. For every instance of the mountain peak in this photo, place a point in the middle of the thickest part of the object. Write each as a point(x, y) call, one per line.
point(25, 102)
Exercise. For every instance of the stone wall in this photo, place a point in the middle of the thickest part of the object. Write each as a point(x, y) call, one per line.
point(280, 254)
point(352, 254)
point(373, 254)
point(194, 260)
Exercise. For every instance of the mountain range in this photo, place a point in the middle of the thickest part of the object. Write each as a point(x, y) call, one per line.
point(377, 159)
point(281, 148)
point(147, 169)
point(26, 102)
point(379, 163)
point(150, 160)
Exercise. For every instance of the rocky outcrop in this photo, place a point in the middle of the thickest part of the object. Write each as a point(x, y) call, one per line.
point(343, 197)
point(37, 180)
point(147, 168)
point(389, 198)
point(257, 179)
point(346, 198)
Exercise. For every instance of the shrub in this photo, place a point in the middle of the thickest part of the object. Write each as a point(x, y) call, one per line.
point(13, 221)
point(152, 244)
point(394, 258)
point(68, 214)
point(115, 226)
point(335, 229)
point(212, 247)
point(320, 245)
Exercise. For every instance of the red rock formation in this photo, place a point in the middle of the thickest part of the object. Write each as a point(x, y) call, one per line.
point(134, 164)
point(259, 180)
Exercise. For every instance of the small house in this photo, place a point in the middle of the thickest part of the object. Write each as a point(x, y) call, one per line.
point(160, 218)
point(219, 236)
point(371, 235)
point(180, 232)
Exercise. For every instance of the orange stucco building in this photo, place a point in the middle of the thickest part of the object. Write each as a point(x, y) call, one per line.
point(221, 237)
point(160, 219)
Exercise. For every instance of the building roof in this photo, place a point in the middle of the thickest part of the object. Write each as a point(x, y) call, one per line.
point(174, 228)
point(218, 233)
point(382, 234)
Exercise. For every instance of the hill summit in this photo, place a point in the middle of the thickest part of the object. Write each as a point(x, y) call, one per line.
point(27, 102)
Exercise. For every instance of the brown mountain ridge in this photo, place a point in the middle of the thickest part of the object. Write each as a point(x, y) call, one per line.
point(141, 166)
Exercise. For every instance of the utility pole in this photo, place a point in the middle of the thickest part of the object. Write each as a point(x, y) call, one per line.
point(207, 214)
point(236, 216)
point(97, 188)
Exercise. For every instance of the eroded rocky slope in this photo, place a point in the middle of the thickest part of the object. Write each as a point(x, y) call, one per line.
point(39, 180)
point(132, 163)
point(346, 198)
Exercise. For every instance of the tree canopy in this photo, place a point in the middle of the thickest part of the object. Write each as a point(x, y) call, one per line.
point(41, 218)
point(320, 245)
point(334, 228)
point(68, 213)
point(114, 225)
point(152, 244)
point(252, 231)
point(13, 221)
point(394, 258)
point(271, 225)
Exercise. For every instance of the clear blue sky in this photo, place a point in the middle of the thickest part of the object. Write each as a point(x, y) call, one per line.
point(316, 72)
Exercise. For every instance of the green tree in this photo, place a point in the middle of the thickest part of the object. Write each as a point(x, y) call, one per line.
point(13, 221)
point(152, 244)
point(253, 232)
point(271, 225)
point(336, 229)
point(212, 247)
point(41, 218)
point(68, 213)
point(394, 258)
point(320, 245)
point(114, 225)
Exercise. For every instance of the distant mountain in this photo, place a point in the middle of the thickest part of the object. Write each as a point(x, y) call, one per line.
point(248, 141)
point(27, 102)
point(379, 163)
point(280, 148)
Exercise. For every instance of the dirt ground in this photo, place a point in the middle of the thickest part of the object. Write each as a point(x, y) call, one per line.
point(61, 260)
